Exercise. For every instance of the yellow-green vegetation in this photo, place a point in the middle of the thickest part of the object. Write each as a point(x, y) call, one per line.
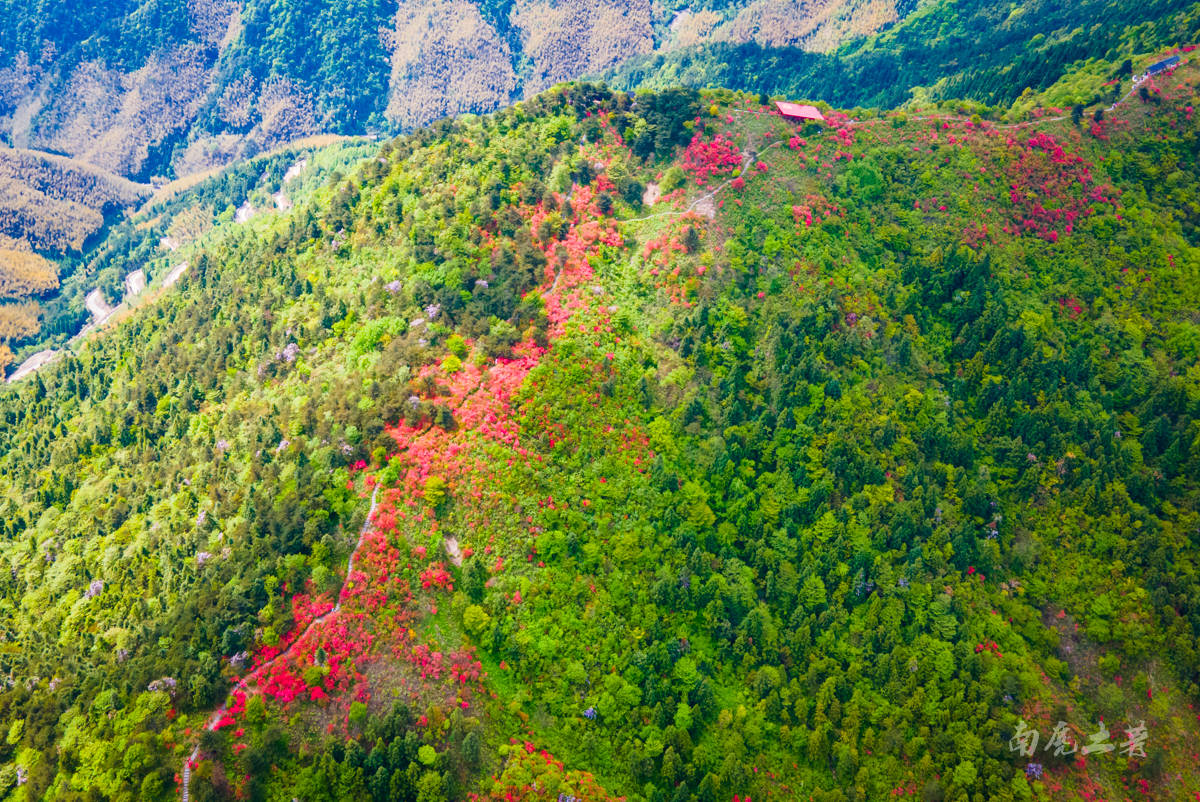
point(22, 274)
point(160, 236)
point(54, 203)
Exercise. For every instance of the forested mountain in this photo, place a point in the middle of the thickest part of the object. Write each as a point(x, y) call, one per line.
point(647, 446)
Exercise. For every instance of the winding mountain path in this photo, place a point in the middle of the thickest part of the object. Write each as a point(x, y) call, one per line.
point(186, 774)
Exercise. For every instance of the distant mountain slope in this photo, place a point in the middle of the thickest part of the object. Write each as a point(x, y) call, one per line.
point(979, 50)
point(154, 237)
point(167, 87)
point(54, 205)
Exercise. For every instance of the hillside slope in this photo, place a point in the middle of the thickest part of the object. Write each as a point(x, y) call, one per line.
point(116, 235)
point(707, 456)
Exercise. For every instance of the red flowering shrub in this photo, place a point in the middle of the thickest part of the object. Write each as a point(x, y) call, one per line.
point(707, 158)
point(1049, 188)
point(815, 208)
point(974, 236)
point(1070, 306)
point(437, 576)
